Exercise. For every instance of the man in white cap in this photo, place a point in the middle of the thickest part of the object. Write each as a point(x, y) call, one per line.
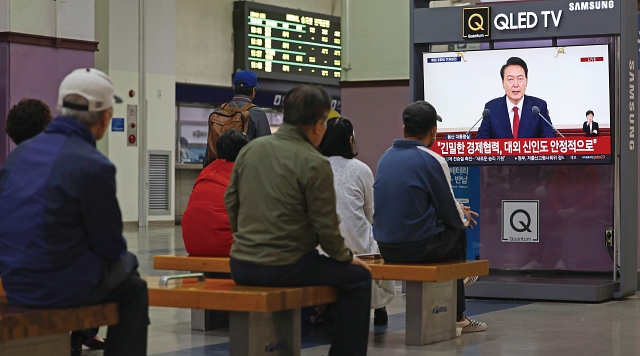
point(61, 242)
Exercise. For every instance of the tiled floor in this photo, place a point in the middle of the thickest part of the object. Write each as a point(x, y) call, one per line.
point(514, 328)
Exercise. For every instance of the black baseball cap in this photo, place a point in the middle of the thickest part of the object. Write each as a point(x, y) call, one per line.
point(419, 117)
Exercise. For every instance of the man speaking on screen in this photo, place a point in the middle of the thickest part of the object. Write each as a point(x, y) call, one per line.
point(516, 115)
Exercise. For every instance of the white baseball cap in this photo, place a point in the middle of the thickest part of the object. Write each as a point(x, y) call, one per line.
point(91, 84)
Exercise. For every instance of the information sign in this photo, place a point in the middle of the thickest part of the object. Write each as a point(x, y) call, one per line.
point(287, 44)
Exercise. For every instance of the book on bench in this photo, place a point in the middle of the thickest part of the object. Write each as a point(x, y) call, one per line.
point(368, 255)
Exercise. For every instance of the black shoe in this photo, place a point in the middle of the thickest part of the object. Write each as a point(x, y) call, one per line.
point(380, 316)
point(76, 343)
point(94, 344)
point(328, 318)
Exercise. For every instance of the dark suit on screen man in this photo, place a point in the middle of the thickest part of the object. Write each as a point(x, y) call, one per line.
point(503, 121)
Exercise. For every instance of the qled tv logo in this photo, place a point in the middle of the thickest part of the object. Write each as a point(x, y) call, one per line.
point(476, 22)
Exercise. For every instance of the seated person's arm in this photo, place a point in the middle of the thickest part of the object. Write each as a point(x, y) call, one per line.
point(321, 207)
point(262, 123)
point(368, 197)
point(447, 207)
point(231, 199)
point(101, 213)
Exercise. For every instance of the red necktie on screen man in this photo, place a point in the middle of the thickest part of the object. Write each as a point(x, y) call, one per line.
point(516, 122)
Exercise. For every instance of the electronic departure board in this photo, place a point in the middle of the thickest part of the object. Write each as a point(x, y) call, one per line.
point(287, 44)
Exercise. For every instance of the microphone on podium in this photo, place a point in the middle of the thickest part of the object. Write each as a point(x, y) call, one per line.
point(536, 111)
point(485, 113)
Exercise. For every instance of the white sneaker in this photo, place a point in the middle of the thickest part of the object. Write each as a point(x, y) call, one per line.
point(469, 281)
point(471, 326)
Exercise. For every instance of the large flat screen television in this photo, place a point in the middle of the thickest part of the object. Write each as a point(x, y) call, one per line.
point(561, 89)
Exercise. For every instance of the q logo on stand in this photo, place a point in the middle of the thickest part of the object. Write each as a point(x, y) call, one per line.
point(525, 227)
point(520, 221)
point(473, 22)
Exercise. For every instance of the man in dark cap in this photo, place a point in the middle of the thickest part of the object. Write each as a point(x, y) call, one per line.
point(417, 219)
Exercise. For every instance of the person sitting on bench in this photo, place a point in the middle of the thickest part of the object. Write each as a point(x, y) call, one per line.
point(61, 242)
point(205, 225)
point(353, 182)
point(26, 119)
point(281, 204)
point(417, 218)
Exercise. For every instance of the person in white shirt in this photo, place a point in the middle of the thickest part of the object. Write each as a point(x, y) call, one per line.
point(353, 182)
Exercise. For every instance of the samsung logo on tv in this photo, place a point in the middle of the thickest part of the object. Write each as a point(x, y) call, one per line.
point(632, 106)
point(591, 5)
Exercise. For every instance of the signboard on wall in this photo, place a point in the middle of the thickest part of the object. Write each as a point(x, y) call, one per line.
point(195, 133)
point(518, 20)
point(287, 44)
point(193, 93)
point(520, 222)
point(117, 124)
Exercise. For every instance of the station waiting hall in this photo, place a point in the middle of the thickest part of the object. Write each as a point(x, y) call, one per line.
point(319, 177)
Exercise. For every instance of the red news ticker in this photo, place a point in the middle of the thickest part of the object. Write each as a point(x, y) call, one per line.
point(521, 147)
point(591, 59)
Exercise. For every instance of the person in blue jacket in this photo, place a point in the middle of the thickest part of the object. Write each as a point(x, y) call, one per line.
point(511, 115)
point(417, 218)
point(26, 119)
point(61, 242)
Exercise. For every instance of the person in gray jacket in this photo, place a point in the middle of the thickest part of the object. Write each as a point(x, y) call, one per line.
point(245, 86)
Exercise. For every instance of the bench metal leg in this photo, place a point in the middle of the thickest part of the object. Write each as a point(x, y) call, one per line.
point(431, 312)
point(268, 334)
point(50, 345)
point(204, 320)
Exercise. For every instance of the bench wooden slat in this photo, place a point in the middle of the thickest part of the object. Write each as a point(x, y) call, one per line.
point(192, 263)
point(224, 294)
point(433, 272)
point(19, 323)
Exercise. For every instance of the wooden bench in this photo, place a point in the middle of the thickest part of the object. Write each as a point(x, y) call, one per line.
point(431, 289)
point(34, 331)
point(263, 320)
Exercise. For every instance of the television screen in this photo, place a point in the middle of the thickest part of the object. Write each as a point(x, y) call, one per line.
point(561, 97)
